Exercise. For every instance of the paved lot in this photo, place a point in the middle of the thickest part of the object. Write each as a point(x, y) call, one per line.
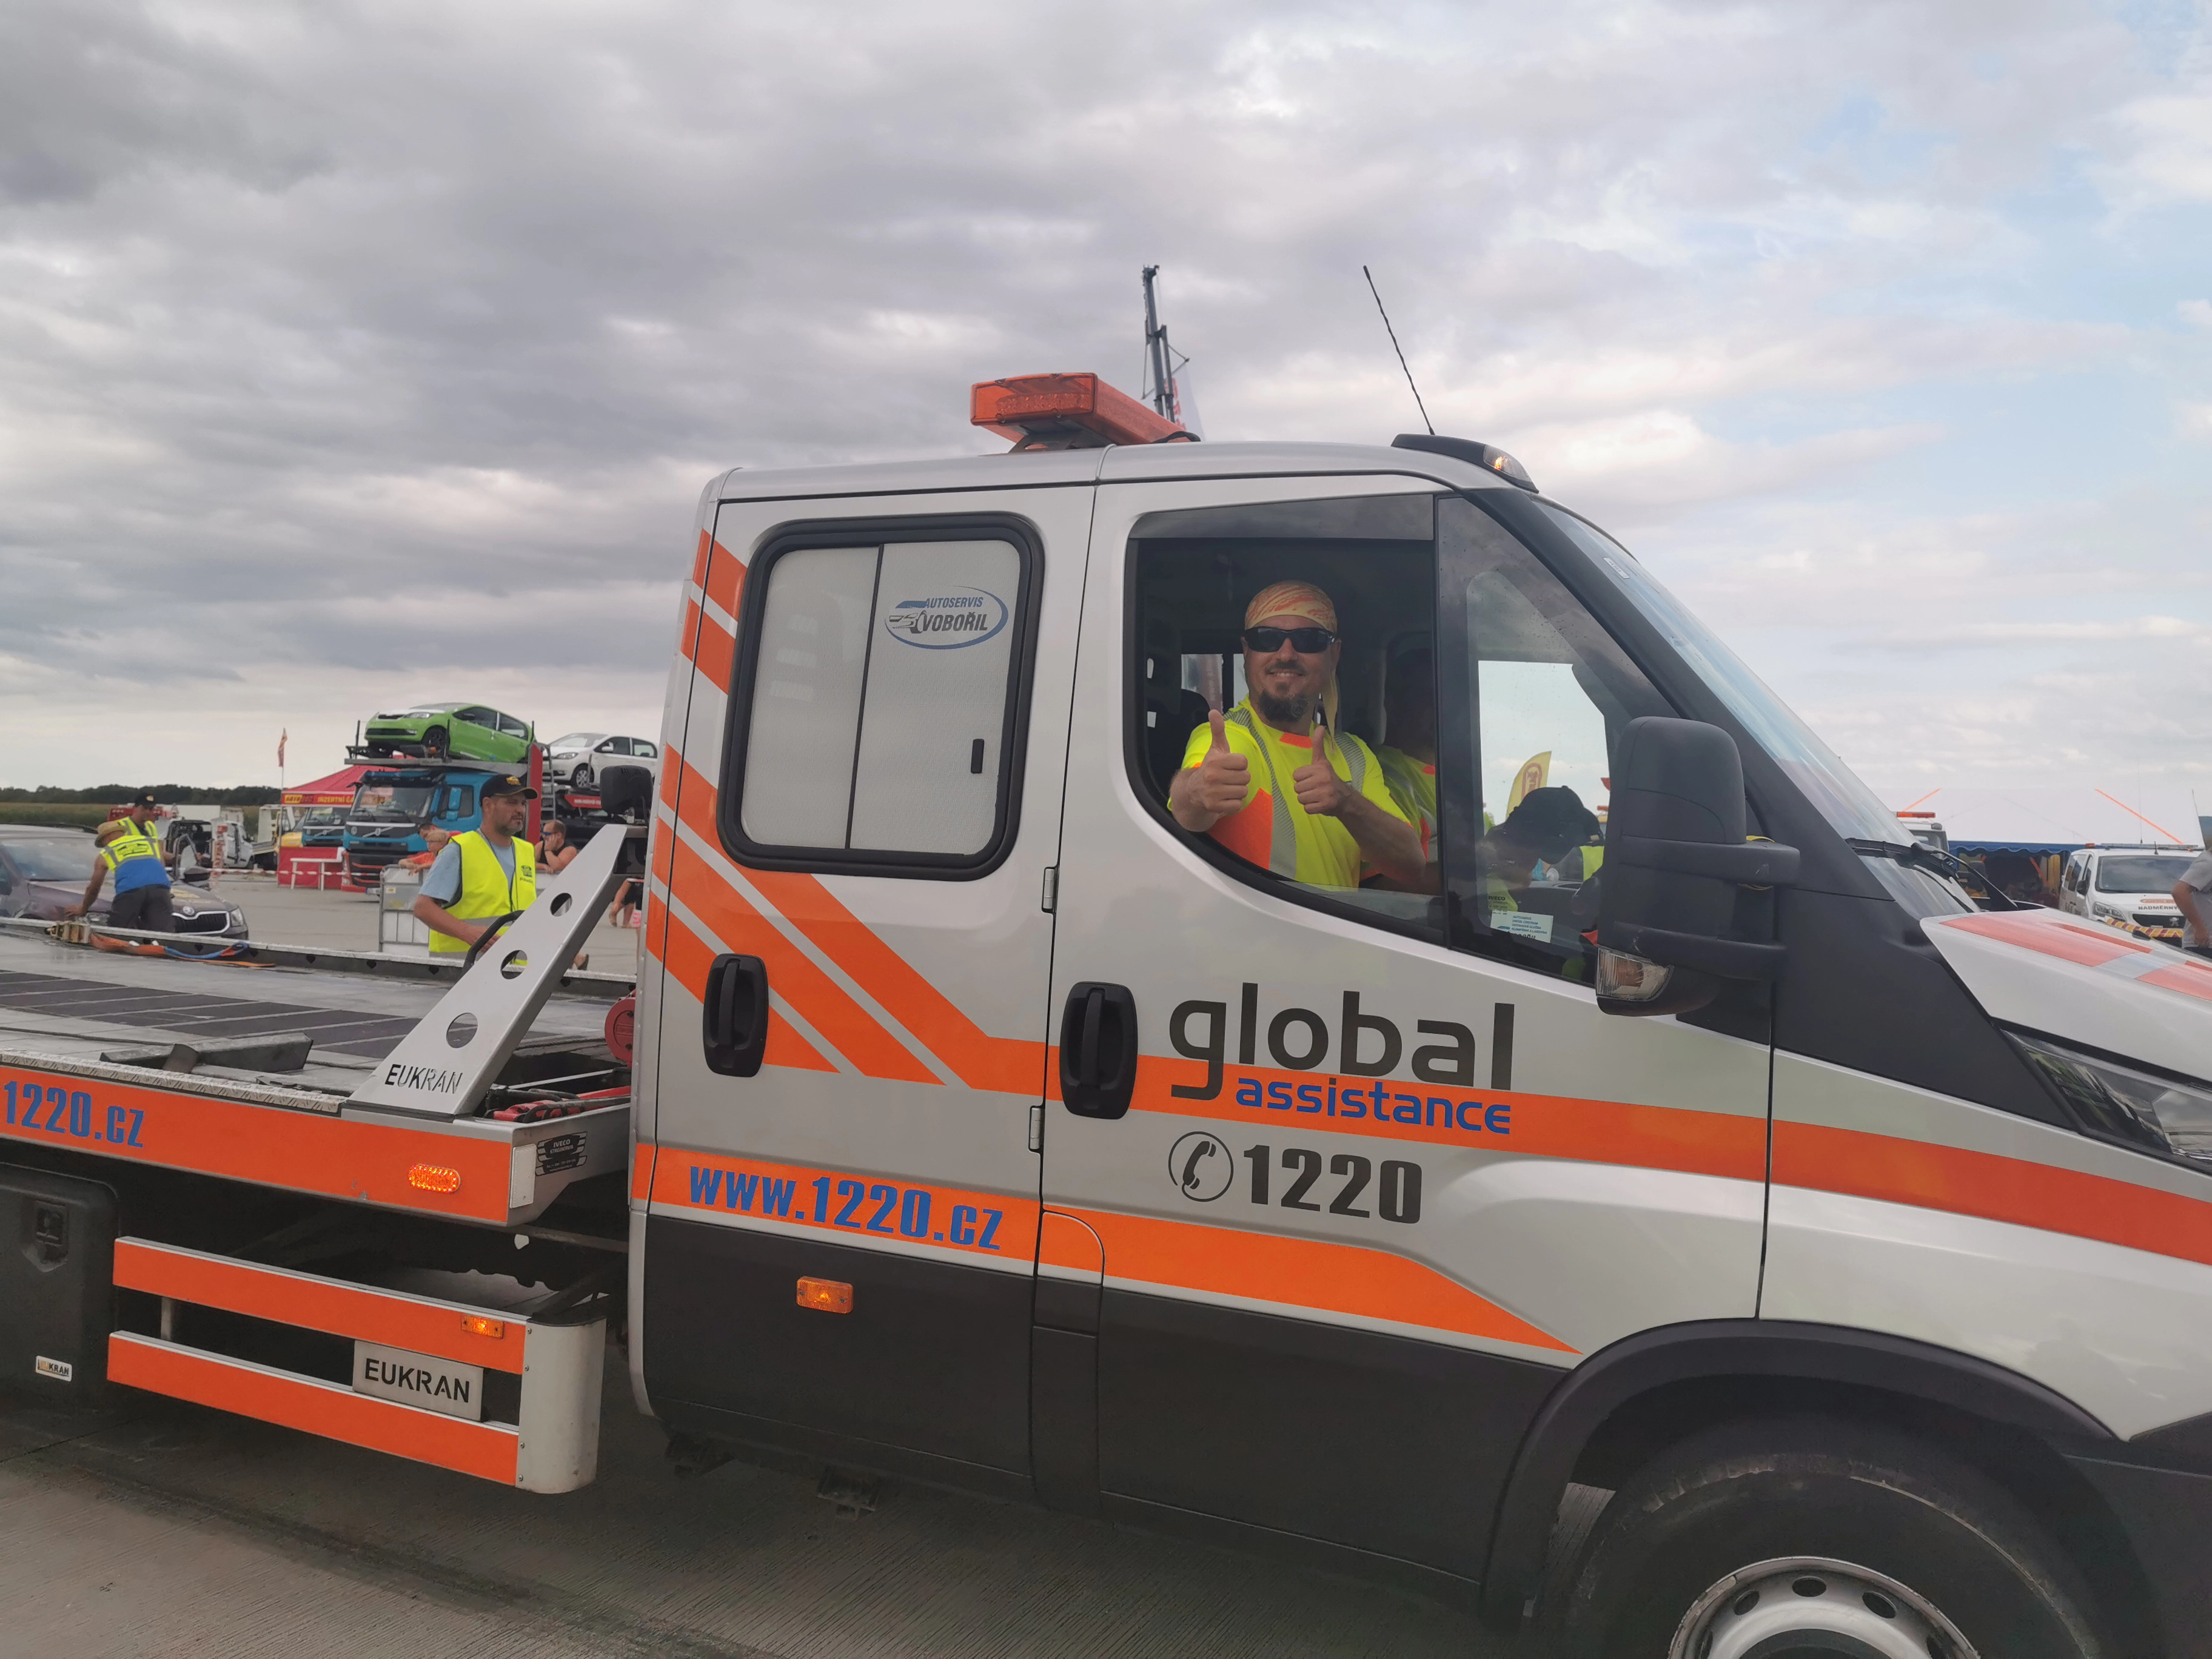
point(159, 1528)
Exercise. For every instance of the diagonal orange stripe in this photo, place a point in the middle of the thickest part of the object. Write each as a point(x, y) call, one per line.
point(981, 1061)
point(826, 1005)
point(1303, 1273)
point(690, 956)
point(726, 580)
point(1996, 1188)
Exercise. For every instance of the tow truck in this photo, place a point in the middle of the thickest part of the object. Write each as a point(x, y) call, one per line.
point(1756, 1248)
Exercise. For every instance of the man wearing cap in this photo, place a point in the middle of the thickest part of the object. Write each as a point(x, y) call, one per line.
point(1274, 781)
point(128, 847)
point(482, 874)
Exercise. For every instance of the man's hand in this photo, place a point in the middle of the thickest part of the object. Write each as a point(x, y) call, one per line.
point(1209, 792)
point(1320, 790)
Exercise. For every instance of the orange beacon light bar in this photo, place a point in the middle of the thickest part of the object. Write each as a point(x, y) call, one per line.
point(1066, 411)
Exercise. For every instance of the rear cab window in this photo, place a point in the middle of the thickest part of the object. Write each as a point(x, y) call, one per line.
point(875, 710)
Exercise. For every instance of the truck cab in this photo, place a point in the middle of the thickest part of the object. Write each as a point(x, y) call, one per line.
point(1021, 1139)
point(392, 807)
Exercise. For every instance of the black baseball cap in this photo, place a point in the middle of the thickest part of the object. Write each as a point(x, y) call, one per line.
point(144, 797)
point(507, 786)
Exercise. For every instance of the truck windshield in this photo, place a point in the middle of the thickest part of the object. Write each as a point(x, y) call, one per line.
point(2144, 875)
point(392, 803)
point(1849, 806)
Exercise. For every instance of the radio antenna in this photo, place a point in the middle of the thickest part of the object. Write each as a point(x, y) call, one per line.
point(1400, 350)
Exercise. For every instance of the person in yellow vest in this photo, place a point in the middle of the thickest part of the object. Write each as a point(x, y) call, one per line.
point(482, 874)
point(130, 846)
point(1274, 781)
point(1409, 755)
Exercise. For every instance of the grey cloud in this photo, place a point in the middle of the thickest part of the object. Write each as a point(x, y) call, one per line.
point(312, 316)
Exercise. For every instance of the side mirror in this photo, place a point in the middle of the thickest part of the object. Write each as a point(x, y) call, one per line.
point(1675, 854)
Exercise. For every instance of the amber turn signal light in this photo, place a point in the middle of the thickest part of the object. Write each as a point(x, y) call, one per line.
point(477, 1325)
point(825, 1296)
point(434, 1178)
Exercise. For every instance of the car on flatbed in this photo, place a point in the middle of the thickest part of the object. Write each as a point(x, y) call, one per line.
point(576, 760)
point(43, 873)
point(458, 730)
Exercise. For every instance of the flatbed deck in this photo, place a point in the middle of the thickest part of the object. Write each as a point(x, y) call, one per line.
point(79, 1028)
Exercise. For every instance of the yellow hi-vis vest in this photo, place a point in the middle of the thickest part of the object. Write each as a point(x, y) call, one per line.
point(132, 844)
point(485, 889)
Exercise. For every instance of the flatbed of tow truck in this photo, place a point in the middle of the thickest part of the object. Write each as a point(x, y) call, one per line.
point(437, 1286)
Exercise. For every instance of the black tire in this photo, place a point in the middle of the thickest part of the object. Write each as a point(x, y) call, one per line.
point(580, 779)
point(1829, 1493)
point(434, 743)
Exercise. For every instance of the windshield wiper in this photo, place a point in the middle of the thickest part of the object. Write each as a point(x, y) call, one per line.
point(1947, 865)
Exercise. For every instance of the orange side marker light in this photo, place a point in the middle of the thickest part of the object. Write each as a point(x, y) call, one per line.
point(825, 1296)
point(477, 1325)
point(434, 1178)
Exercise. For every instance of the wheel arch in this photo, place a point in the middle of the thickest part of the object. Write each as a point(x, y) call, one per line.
point(1627, 1402)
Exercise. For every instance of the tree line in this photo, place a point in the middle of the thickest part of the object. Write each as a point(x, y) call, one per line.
point(112, 794)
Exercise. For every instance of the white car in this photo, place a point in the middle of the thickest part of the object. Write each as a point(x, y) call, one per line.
point(575, 761)
point(2129, 888)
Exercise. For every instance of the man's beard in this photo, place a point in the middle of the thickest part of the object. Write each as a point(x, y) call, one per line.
point(1293, 713)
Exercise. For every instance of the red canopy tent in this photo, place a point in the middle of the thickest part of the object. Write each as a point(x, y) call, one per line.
point(336, 790)
point(298, 866)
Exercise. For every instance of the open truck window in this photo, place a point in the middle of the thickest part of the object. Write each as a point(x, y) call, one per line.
point(876, 702)
point(1486, 696)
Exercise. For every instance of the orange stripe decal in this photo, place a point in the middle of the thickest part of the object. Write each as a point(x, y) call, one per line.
point(2189, 978)
point(981, 1061)
point(1536, 1126)
point(715, 652)
point(319, 1305)
point(690, 956)
point(266, 1147)
point(2092, 947)
point(1064, 1242)
point(1303, 1273)
point(329, 1409)
point(821, 1002)
point(725, 580)
point(1994, 1188)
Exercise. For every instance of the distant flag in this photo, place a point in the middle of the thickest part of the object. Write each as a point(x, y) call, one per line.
point(283, 738)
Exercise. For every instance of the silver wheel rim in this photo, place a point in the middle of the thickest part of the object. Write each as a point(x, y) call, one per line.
point(1805, 1604)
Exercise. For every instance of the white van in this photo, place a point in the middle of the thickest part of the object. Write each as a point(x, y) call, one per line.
point(2129, 888)
point(1851, 1245)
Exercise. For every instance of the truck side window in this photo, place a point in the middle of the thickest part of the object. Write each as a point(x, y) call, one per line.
point(876, 704)
point(1533, 698)
point(1196, 572)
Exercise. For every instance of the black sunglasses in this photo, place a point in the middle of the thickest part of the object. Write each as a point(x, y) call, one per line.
point(1308, 642)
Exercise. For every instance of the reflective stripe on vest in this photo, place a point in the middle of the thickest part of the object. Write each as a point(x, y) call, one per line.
point(133, 843)
point(486, 889)
point(1283, 841)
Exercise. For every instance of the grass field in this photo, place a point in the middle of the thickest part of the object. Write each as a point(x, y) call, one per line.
point(61, 813)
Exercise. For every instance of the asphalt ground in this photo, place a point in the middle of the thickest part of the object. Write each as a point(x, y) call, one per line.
point(155, 1527)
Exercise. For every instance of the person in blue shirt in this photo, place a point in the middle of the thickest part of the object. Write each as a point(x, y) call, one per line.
point(131, 846)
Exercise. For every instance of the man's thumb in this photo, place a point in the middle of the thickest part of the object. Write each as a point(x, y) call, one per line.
point(1221, 733)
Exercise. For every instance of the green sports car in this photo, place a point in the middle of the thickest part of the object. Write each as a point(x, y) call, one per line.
point(463, 731)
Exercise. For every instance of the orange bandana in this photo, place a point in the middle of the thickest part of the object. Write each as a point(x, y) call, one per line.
point(1292, 599)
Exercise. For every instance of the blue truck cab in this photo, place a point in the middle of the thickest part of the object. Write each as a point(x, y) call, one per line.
point(393, 806)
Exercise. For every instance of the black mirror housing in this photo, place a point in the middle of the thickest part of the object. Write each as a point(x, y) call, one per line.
point(1675, 855)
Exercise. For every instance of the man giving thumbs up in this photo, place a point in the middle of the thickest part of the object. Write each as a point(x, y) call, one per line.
point(1272, 782)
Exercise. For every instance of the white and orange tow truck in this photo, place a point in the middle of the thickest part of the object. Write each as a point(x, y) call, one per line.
point(1723, 1238)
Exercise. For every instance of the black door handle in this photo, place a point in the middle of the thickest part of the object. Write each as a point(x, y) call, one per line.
point(733, 1024)
point(1099, 1050)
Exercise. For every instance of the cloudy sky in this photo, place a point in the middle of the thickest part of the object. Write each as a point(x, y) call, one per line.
point(356, 353)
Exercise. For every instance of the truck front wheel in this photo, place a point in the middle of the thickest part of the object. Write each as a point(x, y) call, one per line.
point(1820, 1536)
